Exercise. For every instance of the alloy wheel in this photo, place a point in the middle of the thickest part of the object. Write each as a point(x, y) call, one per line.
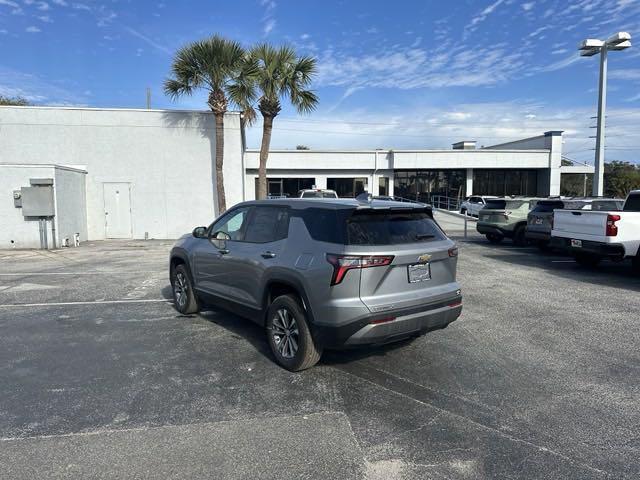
point(284, 330)
point(180, 289)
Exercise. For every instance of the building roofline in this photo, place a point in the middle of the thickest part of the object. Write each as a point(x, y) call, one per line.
point(466, 152)
point(107, 109)
point(43, 165)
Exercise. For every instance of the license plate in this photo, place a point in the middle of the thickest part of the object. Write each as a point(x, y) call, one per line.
point(538, 221)
point(576, 243)
point(419, 272)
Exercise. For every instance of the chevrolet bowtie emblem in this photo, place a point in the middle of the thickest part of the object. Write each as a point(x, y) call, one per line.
point(424, 258)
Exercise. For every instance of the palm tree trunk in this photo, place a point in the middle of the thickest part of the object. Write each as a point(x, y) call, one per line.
point(222, 204)
point(267, 126)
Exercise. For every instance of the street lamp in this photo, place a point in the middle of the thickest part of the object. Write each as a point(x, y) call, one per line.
point(589, 48)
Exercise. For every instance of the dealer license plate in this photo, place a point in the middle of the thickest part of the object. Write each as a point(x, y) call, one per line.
point(419, 272)
point(538, 221)
point(576, 243)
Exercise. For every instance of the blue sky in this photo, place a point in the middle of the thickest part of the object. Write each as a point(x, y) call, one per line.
point(402, 74)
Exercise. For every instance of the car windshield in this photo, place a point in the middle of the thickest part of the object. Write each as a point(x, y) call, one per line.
point(633, 203)
point(373, 228)
point(542, 207)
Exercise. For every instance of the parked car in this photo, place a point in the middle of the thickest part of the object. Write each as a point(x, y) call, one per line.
point(540, 219)
point(315, 275)
point(505, 217)
point(473, 204)
point(591, 236)
point(317, 193)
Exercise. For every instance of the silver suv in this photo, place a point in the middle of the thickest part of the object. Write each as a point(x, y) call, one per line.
point(317, 275)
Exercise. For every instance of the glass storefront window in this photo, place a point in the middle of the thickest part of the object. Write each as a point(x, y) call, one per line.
point(286, 187)
point(422, 185)
point(383, 186)
point(505, 182)
point(347, 187)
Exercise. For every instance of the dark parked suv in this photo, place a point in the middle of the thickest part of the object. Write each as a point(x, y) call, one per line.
point(316, 275)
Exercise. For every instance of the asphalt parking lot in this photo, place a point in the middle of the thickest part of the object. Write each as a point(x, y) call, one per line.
point(102, 378)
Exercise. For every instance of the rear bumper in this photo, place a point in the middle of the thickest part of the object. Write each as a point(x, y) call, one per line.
point(537, 236)
point(485, 228)
point(392, 326)
point(612, 250)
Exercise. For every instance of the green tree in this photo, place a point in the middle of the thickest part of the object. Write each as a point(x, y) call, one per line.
point(281, 75)
point(17, 101)
point(620, 178)
point(222, 68)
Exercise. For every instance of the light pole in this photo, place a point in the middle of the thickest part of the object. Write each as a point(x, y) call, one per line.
point(588, 48)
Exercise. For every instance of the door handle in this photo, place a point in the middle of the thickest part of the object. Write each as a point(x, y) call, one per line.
point(223, 251)
point(268, 255)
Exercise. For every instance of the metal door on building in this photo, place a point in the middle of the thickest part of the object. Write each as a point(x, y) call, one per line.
point(117, 210)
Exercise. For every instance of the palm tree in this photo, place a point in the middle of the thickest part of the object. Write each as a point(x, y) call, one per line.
point(222, 67)
point(281, 74)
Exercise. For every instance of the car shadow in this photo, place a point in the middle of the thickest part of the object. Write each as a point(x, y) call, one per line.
point(609, 273)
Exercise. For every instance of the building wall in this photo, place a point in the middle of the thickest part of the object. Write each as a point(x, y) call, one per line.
point(70, 190)
point(165, 156)
point(16, 231)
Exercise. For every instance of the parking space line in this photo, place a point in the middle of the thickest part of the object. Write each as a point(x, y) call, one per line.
point(93, 302)
point(68, 273)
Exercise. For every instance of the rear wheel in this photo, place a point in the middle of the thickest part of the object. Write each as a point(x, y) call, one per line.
point(184, 297)
point(494, 238)
point(635, 263)
point(463, 211)
point(587, 259)
point(519, 238)
point(289, 336)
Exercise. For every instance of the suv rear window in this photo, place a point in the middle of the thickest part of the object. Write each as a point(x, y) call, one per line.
point(501, 204)
point(391, 228)
point(633, 203)
point(543, 206)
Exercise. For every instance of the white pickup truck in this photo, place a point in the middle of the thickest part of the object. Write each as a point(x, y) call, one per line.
point(591, 236)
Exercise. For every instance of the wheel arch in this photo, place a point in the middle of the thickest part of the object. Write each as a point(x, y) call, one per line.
point(278, 285)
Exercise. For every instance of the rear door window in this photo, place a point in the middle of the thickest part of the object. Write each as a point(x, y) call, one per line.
point(391, 228)
point(267, 224)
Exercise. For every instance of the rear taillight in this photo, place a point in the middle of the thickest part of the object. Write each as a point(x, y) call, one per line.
point(612, 229)
point(453, 252)
point(343, 263)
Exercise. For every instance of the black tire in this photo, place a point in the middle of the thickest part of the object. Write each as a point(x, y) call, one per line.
point(463, 211)
point(635, 263)
point(285, 336)
point(519, 238)
point(184, 297)
point(544, 246)
point(494, 238)
point(587, 260)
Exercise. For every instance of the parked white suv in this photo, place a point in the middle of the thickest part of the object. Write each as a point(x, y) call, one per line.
point(593, 235)
point(473, 204)
point(317, 193)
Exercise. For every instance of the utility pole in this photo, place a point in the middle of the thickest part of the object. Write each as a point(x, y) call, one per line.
point(588, 48)
point(148, 98)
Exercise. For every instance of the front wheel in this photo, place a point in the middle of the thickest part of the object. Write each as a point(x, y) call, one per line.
point(289, 336)
point(587, 260)
point(184, 296)
point(519, 238)
point(494, 238)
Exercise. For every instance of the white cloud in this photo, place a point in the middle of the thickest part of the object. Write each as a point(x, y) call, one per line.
point(305, 36)
point(3, 31)
point(268, 20)
point(269, 25)
point(625, 74)
point(485, 13)
point(559, 65)
point(559, 51)
point(61, 3)
point(44, 6)
point(16, 9)
point(148, 40)
point(528, 6)
point(45, 18)
point(14, 83)
point(32, 29)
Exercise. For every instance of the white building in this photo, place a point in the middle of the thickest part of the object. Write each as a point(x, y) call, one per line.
point(148, 173)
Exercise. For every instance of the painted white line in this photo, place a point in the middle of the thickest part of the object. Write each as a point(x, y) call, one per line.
point(94, 302)
point(54, 273)
point(563, 261)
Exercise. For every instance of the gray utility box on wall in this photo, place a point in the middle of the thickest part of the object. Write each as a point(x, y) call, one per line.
point(37, 200)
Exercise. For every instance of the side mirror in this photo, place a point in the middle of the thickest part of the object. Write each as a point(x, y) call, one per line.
point(199, 232)
point(219, 240)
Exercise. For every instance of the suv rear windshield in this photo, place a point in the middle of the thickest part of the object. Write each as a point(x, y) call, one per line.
point(391, 228)
point(633, 203)
point(357, 227)
point(548, 206)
